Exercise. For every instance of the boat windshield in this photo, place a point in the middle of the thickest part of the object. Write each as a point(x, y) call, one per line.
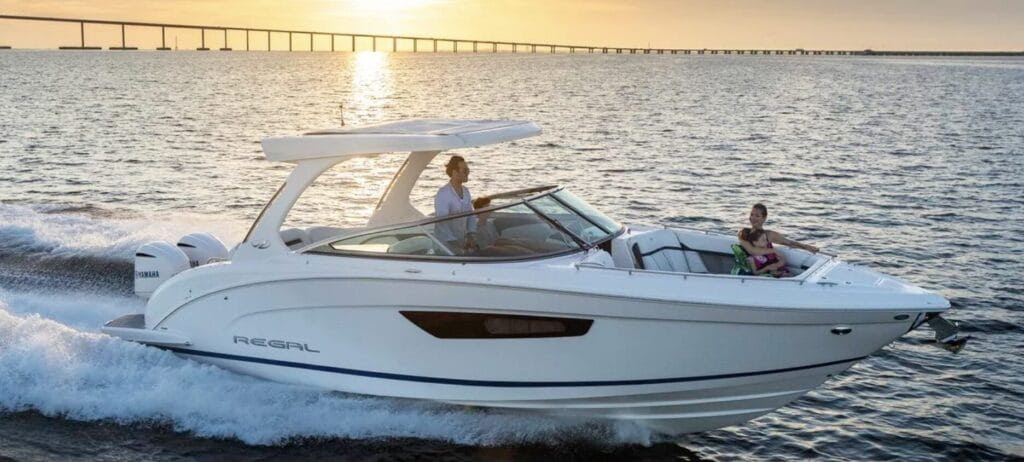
point(547, 224)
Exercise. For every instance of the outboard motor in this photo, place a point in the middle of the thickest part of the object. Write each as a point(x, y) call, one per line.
point(155, 263)
point(947, 333)
point(202, 248)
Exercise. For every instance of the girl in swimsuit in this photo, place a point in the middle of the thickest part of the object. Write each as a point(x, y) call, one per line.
point(769, 261)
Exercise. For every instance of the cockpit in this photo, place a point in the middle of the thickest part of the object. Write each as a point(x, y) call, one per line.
point(517, 225)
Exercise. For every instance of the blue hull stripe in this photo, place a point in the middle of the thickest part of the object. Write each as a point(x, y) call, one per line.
point(496, 383)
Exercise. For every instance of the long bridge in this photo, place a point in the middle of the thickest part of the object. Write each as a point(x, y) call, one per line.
point(473, 45)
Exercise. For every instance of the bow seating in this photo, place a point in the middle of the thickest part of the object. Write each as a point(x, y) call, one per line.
point(661, 250)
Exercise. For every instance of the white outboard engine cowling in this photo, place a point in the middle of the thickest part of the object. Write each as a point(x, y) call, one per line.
point(202, 248)
point(155, 263)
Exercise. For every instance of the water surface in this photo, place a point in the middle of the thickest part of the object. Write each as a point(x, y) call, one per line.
point(912, 166)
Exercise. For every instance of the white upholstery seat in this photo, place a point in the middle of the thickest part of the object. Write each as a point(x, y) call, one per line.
point(696, 264)
point(660, 250)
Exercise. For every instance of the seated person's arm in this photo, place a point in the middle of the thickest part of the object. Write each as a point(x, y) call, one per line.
point(767, 268)
point(750, 248)
point(772, 268)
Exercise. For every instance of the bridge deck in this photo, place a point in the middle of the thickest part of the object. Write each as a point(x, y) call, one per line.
point(493, 47)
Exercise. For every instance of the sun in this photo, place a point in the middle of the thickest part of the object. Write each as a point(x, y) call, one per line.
point(384, 6)
point(386, 17)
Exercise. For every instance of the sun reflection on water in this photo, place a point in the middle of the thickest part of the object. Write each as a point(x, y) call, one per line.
point(344, 195)
point(372, 85)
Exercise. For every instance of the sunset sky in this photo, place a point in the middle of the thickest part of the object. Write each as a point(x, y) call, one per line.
point(827, 24)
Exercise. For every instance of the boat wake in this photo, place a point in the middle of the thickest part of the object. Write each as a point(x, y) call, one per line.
point(55, 361)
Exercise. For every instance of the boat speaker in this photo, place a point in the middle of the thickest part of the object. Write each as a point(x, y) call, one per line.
point(202, 248)
point(155, 263)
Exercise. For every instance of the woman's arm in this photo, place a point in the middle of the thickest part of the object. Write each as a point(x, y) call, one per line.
point(751, 250)
point(777, 238)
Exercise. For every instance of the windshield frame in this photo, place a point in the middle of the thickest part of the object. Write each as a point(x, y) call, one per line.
point(580, 241)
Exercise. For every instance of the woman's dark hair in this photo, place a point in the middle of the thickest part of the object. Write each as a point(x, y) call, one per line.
point(453, 164)
point(481, 202)
point(762, 208)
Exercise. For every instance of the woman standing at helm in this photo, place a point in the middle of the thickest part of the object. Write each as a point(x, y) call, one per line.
point(758, 215)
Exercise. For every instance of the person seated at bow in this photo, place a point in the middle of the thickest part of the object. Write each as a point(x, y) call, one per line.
point(746, 249)
point(758, 215)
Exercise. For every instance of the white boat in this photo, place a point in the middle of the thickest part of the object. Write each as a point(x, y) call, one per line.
point(566, 312)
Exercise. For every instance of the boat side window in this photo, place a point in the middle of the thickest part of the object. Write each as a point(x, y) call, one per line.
point(410, 240)
point(511, 232)
point(456, 325)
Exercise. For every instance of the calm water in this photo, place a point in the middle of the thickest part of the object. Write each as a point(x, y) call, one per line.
point(911, 166)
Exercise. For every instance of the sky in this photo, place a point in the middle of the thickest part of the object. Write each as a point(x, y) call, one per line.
point(995, 25)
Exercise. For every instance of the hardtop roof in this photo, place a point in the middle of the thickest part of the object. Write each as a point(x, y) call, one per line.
point(405, 135)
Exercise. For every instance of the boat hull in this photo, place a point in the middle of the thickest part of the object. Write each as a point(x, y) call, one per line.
point(674, 367)
point(700, 405)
